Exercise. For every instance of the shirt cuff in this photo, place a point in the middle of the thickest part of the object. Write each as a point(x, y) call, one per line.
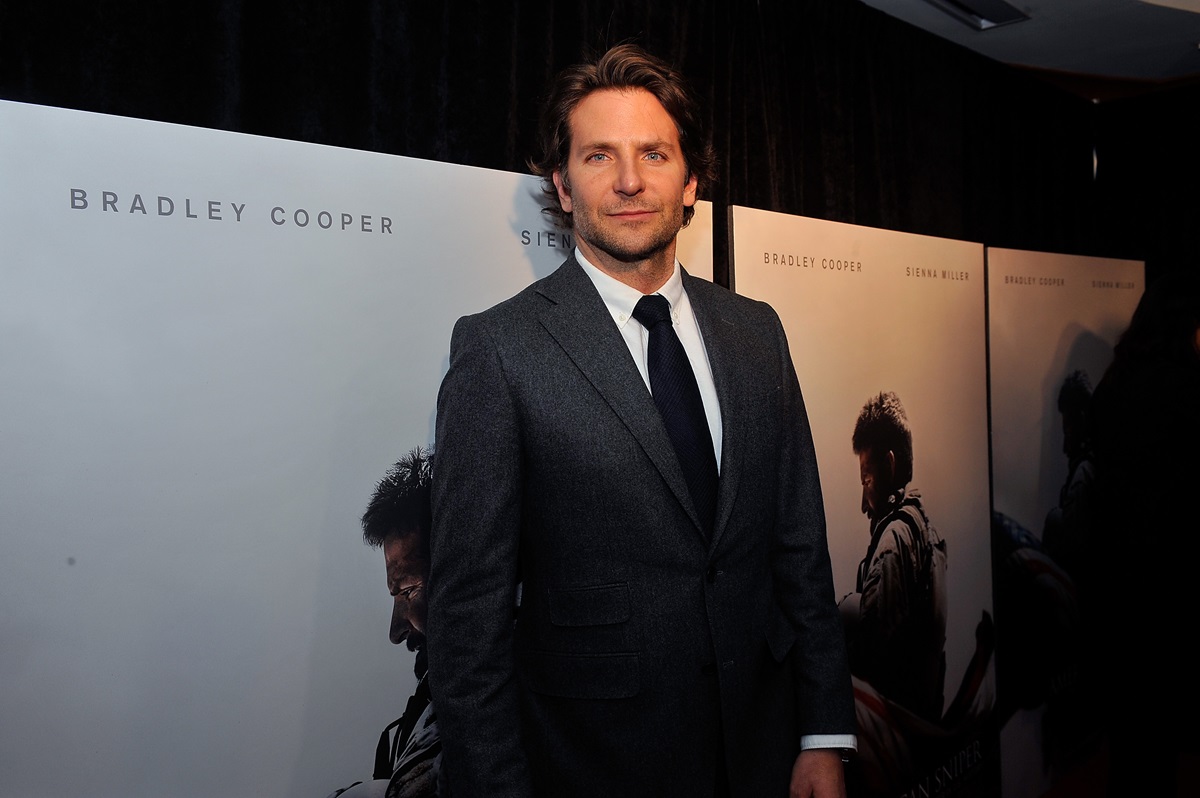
point(846, 742)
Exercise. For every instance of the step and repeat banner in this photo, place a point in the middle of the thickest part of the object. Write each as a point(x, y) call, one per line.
point(1053, 322)
point(887, 331)
point(214, 346)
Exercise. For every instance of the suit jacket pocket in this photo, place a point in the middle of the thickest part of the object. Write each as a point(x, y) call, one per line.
point(780, 635)
point(582, 675)
point(597, 605)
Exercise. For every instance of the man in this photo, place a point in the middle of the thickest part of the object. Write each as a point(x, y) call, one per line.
point(899, 638)
point(677, 632)
point(398, 520)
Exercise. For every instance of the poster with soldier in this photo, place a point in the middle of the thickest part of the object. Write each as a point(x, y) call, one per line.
point(887, 332)
point(1053, 322)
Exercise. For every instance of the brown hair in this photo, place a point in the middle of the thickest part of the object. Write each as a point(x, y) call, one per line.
point(882, 426)
point(625, 66)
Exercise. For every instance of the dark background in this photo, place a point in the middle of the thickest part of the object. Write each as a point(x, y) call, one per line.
point(822, 108)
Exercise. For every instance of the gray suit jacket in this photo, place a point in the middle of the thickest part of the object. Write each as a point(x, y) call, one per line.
point(641, 650)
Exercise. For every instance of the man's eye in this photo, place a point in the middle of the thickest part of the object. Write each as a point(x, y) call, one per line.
point(655, 156)
point(597, 156)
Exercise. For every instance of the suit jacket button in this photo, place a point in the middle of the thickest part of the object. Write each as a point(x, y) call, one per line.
point(711, 575)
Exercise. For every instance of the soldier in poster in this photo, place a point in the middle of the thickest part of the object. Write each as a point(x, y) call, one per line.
point(895, 623)
point(1066, 535)
point(898, 634)
point(397, 520)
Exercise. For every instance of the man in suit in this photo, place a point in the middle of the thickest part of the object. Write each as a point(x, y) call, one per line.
point(677, 633)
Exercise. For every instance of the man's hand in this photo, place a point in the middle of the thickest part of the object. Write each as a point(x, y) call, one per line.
point(818, 773)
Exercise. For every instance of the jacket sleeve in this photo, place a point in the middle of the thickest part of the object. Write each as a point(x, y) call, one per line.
point(802, 571)
point(473, 570)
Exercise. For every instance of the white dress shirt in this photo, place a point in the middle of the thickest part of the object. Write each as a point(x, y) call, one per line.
point(620, 300)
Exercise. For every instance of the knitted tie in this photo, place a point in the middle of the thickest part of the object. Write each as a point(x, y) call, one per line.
point(673, 385)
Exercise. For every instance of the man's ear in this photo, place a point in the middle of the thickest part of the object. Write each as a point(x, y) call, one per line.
point(564, 189)
point(891, 467)
point(689, 191)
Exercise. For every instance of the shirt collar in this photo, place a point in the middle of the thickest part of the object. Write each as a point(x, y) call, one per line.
point(620, 298)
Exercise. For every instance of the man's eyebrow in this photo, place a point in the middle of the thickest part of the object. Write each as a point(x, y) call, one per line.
point(649, 144)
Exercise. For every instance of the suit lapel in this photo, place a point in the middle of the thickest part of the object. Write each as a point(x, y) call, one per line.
point(580, 323)
point(720, 334)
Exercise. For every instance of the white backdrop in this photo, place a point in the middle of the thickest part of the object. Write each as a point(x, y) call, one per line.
point(213, 346)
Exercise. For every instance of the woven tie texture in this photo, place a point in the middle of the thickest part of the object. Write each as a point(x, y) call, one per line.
point(677, 396)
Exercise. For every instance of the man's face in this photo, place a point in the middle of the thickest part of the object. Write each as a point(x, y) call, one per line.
point(875, 476)
point(626, 182)
point(407, 571)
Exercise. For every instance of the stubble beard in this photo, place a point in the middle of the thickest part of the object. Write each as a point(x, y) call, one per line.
point(634, 247)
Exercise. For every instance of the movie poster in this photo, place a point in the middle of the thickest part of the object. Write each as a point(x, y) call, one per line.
point(1053, 322)
point(887, 332)
point(214, 347)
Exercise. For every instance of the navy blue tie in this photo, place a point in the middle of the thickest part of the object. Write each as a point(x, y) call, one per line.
point(673, 385)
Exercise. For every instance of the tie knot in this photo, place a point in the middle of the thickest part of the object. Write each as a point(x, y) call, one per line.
point(651, 309)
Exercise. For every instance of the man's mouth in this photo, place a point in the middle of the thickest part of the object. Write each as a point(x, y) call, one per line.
point(632, 213)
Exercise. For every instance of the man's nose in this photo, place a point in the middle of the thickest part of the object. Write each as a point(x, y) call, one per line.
point(400, 626)
point(629, 177)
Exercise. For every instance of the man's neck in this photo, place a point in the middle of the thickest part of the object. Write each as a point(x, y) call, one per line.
point(646, 276)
